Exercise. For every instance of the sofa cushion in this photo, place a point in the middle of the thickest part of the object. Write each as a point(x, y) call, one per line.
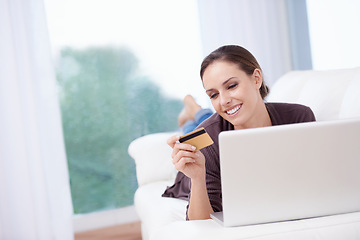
point(156, 211)
point(336, 227)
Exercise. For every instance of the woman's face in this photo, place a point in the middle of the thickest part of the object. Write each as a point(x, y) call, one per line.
point(234, 94)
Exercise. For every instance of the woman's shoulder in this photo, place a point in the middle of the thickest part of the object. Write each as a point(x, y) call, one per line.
point(287, 113)
point(280, 106)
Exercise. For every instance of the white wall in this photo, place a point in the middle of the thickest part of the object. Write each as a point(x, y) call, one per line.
point(334, 33)
point(260, 26)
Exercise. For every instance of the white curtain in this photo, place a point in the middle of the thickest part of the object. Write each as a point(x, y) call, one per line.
point(261, 26)
point(35, 201)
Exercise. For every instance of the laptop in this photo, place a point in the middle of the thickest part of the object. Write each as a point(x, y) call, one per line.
point(289, 172)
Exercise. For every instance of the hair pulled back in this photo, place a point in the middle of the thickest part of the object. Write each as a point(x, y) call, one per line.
point(238, 55)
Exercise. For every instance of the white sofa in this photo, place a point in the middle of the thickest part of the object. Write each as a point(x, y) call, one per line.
point(331, 94)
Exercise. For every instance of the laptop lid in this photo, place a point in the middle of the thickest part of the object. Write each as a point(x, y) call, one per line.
point(290, 172)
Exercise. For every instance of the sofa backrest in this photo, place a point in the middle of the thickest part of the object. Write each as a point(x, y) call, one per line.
point(332, 94)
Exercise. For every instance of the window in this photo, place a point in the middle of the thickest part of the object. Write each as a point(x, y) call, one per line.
point(123, 68)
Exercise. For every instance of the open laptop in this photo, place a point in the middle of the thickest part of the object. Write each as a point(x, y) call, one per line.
point(289, 172)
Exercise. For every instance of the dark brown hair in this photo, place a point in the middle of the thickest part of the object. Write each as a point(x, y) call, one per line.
point(238, 55)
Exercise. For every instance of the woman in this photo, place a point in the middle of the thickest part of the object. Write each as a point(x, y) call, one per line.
point(233, 80)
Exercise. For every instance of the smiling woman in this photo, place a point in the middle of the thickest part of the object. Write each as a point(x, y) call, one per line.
point(233, 80)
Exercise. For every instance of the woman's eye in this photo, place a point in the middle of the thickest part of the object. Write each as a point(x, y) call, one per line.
point(214, 95)
point(232, 85)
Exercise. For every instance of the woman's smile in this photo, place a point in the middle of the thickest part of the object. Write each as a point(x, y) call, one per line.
point(234, 110)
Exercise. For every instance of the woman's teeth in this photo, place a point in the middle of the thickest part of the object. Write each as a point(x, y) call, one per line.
point(234, 110)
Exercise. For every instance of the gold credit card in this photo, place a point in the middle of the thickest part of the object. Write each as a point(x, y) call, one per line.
point(198, 138)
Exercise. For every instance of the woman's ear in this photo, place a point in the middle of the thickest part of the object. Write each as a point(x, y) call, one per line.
point(257, 76)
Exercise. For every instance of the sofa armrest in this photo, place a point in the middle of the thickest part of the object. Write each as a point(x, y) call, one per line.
point(152, 157)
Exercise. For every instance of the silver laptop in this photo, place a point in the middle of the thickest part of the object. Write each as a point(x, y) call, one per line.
point(289, 172)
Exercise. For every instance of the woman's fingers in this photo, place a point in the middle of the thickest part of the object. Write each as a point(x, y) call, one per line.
point(180, 165)
point(182, 147)
point(188, 156)
point(185, 158)
point(172, 140)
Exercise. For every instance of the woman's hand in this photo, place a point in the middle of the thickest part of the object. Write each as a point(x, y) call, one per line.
point(186, 159)
point(192, 164)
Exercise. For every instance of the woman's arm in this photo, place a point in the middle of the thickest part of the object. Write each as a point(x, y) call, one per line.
point(192, 164)
point(199, 204)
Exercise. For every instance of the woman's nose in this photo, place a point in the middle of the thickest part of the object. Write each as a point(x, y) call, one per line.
point(225, 99)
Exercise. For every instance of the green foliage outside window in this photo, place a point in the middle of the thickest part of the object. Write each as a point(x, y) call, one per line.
point(105, 105)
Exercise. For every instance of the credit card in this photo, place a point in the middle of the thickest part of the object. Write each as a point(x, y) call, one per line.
point(198, 138)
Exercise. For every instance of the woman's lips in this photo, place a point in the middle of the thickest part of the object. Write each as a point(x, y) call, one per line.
point(233, 110)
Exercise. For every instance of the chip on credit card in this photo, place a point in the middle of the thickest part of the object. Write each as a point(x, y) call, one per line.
point(198, 138)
